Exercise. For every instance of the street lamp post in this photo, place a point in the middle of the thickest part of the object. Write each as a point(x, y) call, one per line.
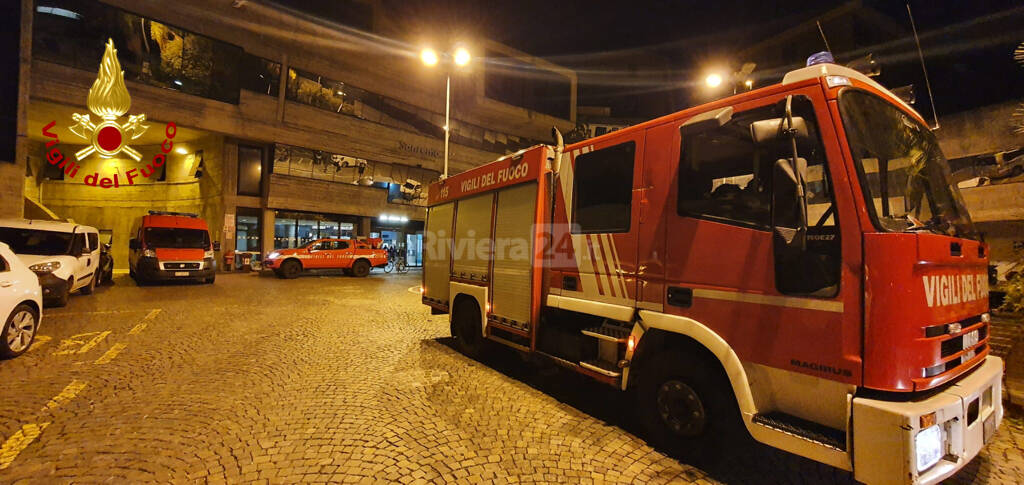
point(460, 58)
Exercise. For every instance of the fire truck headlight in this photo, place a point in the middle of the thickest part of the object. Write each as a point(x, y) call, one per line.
point(928, 447)
point(148, 253)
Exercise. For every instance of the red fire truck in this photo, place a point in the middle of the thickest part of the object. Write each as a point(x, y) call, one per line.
point(793, 261)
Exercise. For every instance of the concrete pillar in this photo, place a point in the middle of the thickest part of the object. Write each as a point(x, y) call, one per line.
point(364, 226)
point(12, 172)
point(268, 231)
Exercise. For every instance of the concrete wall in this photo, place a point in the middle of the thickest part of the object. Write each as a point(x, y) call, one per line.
point(301, 194)
point(984, 130)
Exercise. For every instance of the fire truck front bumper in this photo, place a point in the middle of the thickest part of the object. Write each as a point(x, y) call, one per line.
point(926, 440)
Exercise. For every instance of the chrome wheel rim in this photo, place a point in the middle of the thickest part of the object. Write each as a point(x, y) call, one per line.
point(681, 409)
point(20, 331)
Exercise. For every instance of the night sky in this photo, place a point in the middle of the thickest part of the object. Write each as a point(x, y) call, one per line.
point(968, 44)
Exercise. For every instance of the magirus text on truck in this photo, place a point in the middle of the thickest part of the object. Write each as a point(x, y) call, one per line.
point(792, 262)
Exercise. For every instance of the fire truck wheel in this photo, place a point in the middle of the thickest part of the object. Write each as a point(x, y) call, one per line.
point(466, 329)
point(290, 269)
point(685, 408)
point(361, 268)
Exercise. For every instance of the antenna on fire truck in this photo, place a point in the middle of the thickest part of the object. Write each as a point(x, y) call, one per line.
point(823, 38)
point(920, 55)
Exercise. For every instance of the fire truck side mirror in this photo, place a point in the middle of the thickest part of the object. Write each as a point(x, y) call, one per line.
point(789, 204)
point(134, 244)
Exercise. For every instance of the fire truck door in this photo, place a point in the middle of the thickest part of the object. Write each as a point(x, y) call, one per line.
point(602, 194)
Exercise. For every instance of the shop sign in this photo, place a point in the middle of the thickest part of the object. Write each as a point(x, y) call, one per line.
point(419, 150)
point(108, 137)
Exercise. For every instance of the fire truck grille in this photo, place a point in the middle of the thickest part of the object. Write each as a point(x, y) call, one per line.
point(940, 330)
point(181, 265)
point(953, 364)
point(956, 344)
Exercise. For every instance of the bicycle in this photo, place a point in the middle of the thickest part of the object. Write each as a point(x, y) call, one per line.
point(390, 265)
point(401, 266)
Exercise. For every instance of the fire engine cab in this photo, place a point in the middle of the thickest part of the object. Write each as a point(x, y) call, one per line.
point(794, 261)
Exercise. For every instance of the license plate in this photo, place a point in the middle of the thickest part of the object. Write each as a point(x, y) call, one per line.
point(970, 339)
point(989, 427)
point(967, 356)
point(181, 273)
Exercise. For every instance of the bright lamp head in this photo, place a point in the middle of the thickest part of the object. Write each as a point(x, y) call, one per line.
point(462, 56)
point(428, 56)
point(713, 80)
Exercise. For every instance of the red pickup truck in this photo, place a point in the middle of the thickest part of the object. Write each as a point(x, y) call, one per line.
point(353, 256)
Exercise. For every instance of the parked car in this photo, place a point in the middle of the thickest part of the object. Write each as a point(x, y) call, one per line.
point(169, 246)
point(64, 255)
point(353, 256)
point(21, 301)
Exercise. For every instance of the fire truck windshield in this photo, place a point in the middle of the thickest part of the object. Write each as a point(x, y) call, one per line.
point(901, 169)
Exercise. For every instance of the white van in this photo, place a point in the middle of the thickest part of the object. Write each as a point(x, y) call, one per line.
point(64, 255)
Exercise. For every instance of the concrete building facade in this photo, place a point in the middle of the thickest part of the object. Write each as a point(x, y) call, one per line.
point(286, 128)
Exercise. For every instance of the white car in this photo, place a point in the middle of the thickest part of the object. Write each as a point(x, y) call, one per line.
point(64, 255)
point(21, 303)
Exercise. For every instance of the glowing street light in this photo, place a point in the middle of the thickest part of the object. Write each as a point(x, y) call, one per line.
point(713, 80)
point(429, 57)
point(460, 58)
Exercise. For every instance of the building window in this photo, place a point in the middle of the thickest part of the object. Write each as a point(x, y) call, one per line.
point(307, 231)
point(603, 189)
point(248, 232)
point(284, 233)
point(149, 51)
point(259, 75)
point(250, 170)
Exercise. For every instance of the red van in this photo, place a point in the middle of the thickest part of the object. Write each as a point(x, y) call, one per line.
point(171, 246)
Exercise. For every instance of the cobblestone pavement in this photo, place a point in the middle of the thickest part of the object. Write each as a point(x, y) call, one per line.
point(330, 379)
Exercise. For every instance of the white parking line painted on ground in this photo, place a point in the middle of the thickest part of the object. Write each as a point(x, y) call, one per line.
point(111, 353)
point(18, 442)
point(414, 289)
point(69, 393)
